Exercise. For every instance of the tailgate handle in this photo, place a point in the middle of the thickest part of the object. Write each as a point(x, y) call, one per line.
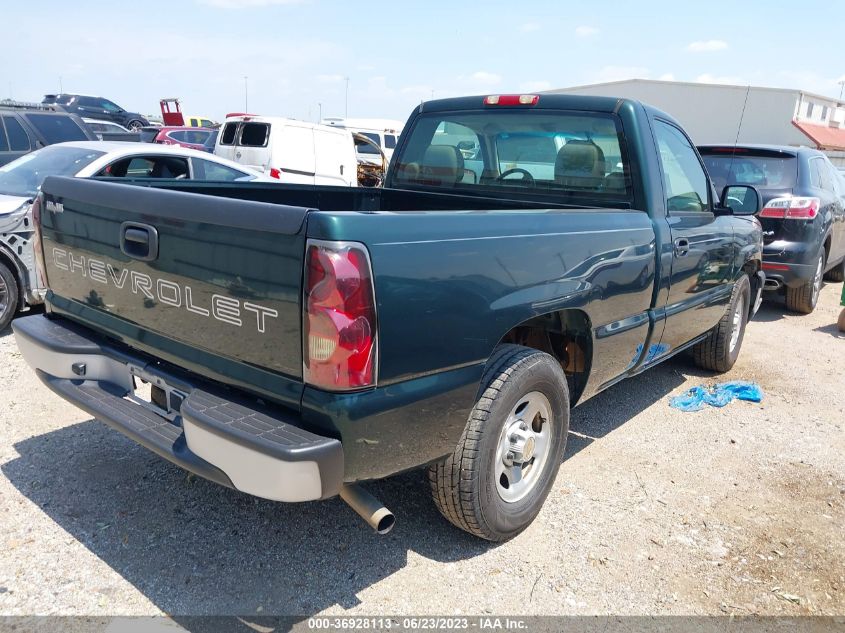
point(139, 241)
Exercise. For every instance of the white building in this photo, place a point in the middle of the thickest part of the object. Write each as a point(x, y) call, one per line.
point(711, 113)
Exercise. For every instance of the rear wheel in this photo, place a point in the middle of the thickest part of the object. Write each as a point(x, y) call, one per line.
point(804, 298)
point(8, 296)
point(505, 464)
point(719, 351)
point(134, 125)
point(837, 273)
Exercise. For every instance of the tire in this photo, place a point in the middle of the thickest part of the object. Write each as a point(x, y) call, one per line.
point(9, 295)
point(837, 273)
point(474, 488)
point(719, 351)
point(134, 125)
point(841, 322)
point(803, 298)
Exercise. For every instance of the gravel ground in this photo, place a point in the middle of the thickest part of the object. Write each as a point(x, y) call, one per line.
point(738, 510)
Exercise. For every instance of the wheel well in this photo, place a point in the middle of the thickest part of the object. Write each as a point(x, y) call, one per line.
point(13, 266)
point(827, 248)
point(566, 335)
point(751, 268)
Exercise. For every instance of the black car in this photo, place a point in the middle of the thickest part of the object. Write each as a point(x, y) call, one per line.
point(96, 108)
point(24, 130)
point(803, 214)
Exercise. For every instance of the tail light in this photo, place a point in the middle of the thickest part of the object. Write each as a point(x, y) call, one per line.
point(37, 243)
point(275, 173)
point(511, 100)
point(339, 334)
point(791, 208)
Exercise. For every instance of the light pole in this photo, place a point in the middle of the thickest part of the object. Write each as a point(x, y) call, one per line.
point(841, 86)
point(320, 107)
point(346, 108)
point(246, 94)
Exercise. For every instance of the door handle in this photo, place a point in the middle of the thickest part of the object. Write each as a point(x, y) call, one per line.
point(681, 247)
point(139, 241)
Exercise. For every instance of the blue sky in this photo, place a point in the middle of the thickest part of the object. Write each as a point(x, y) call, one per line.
point(297, 53)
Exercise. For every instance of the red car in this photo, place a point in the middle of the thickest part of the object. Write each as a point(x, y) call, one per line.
point(193, 137)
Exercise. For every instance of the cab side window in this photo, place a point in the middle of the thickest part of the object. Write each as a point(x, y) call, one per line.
point(684, 179)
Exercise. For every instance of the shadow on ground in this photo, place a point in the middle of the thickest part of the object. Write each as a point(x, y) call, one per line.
point(832, 329)
point(772, 309)
point(195, 548)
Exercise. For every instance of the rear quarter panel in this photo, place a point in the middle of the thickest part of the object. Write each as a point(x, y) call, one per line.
point(446, 302)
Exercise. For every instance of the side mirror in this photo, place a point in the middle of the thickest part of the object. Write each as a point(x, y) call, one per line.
point(741, 200)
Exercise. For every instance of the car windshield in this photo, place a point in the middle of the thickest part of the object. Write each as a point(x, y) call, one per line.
point(763, 172)
point(57, 129)
point(23, 177)
point(538, 153)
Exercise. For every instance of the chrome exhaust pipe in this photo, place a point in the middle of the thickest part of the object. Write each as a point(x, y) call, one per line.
point(368, 507)
point(772, 284)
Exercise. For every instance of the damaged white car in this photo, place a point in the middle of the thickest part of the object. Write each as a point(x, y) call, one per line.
point(21, 179)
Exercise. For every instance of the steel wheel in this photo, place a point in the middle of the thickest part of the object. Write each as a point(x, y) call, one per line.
point(817, 281)
point(9, 295)
point(4, 296)
point(524, 447)
point(736, 322)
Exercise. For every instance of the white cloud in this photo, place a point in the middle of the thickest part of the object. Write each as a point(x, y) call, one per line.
point(484, 78)
point(667, 77)
point(707, 46)
point(245, 4)
point(330, 79)
point(586, 31)
point(529, 27)
point(618, 73)
point(535, 86)
point(707, 78)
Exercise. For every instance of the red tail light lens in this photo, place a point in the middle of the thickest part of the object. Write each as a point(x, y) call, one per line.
point(511, 100)
point(340, 317)
point(797, 208)
point(275, 173)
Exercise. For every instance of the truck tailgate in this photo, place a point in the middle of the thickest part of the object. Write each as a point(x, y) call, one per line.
point(210, 283)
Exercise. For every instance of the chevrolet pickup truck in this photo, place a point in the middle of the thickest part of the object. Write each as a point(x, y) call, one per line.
point(292, 342)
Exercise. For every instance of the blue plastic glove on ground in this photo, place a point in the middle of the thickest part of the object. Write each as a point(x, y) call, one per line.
point(717, 396)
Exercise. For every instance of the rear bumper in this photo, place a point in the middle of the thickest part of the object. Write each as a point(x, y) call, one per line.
point(789, 263)
point(236, 444)
point(779, 273)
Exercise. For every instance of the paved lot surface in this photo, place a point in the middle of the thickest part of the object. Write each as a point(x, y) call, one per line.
point(738, 510)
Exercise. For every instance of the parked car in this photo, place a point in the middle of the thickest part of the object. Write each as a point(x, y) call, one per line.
point(184, 136)
point(25, 130)
point(108, 131)
point(97, 108)
point(803, 214)
point(383, 132)
point(20, 181)
point(201, 121)
point(291, 151)
point(299, 340)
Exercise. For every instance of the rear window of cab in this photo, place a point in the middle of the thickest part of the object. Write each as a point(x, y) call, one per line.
point(538, 153)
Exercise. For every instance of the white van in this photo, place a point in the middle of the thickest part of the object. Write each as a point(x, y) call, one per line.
point(382, 132)
point(292, 151)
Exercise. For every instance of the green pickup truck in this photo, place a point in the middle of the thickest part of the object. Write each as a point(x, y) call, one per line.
point(293, 341)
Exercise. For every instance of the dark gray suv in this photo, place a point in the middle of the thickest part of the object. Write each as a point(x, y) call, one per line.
point(97, 108)
point(803, 214)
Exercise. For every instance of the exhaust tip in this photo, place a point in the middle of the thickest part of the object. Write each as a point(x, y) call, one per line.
point(368, 507)
point(386, 523)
